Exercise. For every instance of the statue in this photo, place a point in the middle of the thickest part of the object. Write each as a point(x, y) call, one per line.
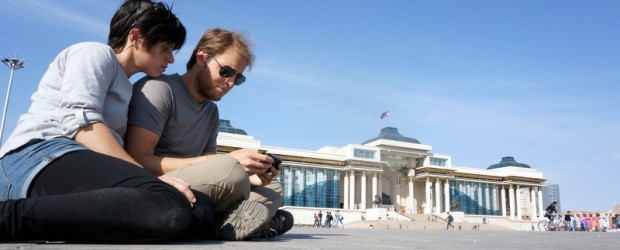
point(454, 205)
point(377, 201)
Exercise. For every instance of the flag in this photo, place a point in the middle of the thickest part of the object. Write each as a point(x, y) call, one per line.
point(385, 114)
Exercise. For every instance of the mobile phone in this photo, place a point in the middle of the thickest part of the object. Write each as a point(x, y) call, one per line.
point(276, 162)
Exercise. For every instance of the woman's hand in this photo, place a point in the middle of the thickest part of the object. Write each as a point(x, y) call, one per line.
point(180, 185)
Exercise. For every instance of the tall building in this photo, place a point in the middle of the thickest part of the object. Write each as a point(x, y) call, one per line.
point(398, 173)
point(551, 193)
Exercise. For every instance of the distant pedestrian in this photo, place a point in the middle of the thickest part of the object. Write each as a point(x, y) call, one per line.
point(329, 219)
point(338, 219)
point(317, 223)
point(320, 217)
point(450, 219)
point(573, 223)
point(567, 219)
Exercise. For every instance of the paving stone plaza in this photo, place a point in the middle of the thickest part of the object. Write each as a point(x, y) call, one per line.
point(381, 238)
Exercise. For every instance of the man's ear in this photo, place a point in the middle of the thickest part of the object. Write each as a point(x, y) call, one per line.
point(201, 57)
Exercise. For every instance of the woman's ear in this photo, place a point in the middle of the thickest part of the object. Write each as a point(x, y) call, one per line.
point(133, 37)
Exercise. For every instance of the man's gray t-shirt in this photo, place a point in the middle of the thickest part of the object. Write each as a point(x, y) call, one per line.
point(165, 107)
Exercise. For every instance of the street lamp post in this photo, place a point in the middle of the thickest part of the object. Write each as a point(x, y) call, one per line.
point(13, 64)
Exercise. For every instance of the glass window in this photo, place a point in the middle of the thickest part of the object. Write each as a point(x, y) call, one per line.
point(310, 187)
point(474, 198)
point(438, 162)
point(362, 153)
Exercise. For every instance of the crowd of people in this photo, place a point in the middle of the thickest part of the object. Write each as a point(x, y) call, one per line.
point(330, 220)
point(582, 221)
point(592, 222)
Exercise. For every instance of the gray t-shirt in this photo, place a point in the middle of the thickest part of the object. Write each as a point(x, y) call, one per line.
point(83, 85)
point(165, 107)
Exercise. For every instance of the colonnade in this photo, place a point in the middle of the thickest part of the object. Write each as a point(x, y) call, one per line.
point(349, 199)
point(537, 211)
point(512, 205)
point(437, 195)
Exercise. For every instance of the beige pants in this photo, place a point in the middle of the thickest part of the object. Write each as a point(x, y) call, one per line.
point(225, 181)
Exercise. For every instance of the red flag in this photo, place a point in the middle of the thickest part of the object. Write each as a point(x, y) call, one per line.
point(385, 114)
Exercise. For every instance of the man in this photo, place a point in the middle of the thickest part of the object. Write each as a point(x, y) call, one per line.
point(567, 222)
point(338, 219)
point(172, 130)
point(450, 219)
point(550, 211)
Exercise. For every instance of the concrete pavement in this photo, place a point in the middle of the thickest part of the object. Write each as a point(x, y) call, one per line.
point(381, 238)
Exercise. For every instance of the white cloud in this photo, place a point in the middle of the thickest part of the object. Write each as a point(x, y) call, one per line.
point(55, 12)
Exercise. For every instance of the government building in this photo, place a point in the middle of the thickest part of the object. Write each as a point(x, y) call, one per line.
point(399, 174)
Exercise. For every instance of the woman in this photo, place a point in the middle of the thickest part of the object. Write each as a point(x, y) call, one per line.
point(64, 174)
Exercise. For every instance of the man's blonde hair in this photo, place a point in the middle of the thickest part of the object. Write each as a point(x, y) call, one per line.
point(215, 41)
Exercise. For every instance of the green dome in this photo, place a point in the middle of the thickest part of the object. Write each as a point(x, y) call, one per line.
point(391, 133)
point(225, 127)
point(508, 161)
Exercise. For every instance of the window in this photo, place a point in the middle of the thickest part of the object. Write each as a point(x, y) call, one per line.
point(362, 153)
point(310, 187)
point(438, 162)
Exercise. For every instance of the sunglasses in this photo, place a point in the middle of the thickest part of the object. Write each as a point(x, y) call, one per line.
point(228, 72)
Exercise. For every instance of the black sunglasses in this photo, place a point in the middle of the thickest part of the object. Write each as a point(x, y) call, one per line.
point(227, 72)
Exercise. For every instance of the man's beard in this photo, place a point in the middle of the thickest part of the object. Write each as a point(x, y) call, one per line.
point(203, 91)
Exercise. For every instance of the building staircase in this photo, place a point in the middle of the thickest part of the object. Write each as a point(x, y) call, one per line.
point(421, 222)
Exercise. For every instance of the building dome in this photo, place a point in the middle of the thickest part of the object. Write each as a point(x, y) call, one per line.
point(508, 161)
point(391, 133)
point(225, 127)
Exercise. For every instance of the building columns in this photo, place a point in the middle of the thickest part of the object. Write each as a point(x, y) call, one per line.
point(352, 190)
point(519, 205)
point(503, 201)
point(345, 199)
point(533, 215)
point(541, 209)
point(511, 197)
point(437, 196)
point(410, 206)
point(446, 195)
point(374, 186)
point(363, 193)
point(396, 203)
point(380, 188)
point(428, 206)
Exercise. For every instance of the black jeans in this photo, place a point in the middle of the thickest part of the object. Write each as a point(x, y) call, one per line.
point(85, 196)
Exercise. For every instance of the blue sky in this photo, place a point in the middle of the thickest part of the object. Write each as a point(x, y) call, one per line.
point(477, 80)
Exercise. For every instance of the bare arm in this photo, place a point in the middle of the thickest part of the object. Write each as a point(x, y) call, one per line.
point(99, 138)
point(140, 144)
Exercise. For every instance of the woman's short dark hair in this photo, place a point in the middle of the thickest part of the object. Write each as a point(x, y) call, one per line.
point(155, 21)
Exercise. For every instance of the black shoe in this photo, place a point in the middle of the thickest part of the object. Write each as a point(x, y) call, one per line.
point(243, 219)
point(278, 225)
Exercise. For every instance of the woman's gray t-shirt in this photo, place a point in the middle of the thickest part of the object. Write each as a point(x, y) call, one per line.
point(84, 84)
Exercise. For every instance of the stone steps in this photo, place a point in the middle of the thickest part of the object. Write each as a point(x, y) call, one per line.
point(420, 225)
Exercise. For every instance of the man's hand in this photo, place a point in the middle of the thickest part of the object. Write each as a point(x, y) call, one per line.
point(265, 178)
point(252, 161)
point(180, 185)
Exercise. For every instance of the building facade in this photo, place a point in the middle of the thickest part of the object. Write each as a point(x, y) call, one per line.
point(398, 173)
point(551, 193)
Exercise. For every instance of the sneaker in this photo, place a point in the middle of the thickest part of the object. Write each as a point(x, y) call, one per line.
point(243, 219)
point(278, 225)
